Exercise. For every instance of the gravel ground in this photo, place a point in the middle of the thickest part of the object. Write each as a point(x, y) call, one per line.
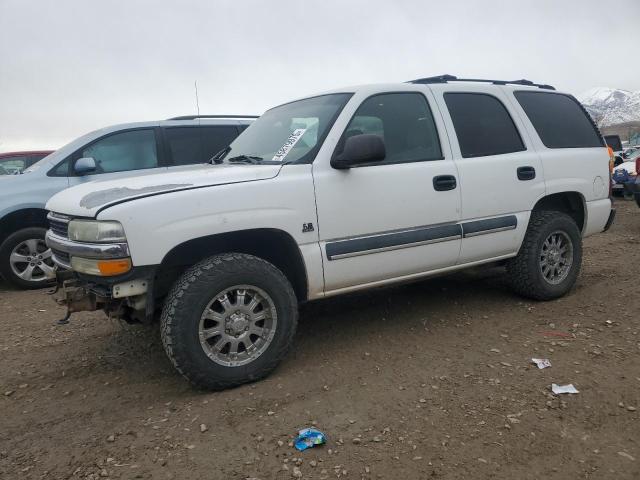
point(429, 380)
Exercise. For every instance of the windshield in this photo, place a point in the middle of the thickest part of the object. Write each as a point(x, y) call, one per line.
point(289, 133)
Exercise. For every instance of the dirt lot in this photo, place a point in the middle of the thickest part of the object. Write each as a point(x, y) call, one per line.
point(430, 380)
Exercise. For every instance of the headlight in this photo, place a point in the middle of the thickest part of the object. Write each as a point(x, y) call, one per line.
point(96, 231)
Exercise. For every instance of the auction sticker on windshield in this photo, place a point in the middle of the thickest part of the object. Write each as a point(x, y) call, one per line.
point(289, 144)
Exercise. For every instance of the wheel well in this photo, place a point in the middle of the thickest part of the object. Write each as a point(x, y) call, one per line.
point(27, 217)
point(571, 203)
point(274, 246)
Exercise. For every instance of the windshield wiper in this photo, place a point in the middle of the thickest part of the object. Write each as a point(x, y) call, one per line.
point(245, 159)
point(217, 158)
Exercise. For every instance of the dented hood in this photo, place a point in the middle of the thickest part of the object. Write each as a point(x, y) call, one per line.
point(87, 199)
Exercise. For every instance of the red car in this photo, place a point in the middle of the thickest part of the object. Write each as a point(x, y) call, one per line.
point(12, 163)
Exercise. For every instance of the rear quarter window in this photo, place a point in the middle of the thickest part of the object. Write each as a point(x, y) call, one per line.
point(559, 120)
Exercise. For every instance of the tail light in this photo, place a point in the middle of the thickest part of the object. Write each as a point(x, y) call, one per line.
point(612, 159)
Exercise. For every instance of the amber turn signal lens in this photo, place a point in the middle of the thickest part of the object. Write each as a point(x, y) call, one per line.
point(103, 268)
point(109, 268)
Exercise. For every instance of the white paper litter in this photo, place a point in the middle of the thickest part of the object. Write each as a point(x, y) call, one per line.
point(541, 362)
point(559, 389)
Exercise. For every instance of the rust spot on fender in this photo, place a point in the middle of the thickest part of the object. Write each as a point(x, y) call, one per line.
point(102, 197)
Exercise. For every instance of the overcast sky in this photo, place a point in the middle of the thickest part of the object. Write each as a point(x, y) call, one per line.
point(71, 66)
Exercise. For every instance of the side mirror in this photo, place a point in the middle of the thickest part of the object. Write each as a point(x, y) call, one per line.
point(84, 166)
point(360, 149)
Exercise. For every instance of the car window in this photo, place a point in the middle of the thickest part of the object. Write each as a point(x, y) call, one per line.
point(614, 142)
point(60, 170)
point(482, 124)
point(405, 123)
point(561, 122)
point(35, 158)
point(215, 138)
point(185, 145)
point(129, 150)
point(13, 165)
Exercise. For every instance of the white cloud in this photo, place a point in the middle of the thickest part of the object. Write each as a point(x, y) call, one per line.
point(71, 66)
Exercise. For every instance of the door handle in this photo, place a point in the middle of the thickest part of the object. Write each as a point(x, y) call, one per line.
point(526, 173)
point(442, 183)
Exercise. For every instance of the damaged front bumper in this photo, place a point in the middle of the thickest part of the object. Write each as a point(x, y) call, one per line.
point(88, 281)
point(129, 299)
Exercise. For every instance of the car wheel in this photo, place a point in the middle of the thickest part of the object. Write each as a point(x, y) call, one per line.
point(549, 259)
point(25, 259)
point(229, 320)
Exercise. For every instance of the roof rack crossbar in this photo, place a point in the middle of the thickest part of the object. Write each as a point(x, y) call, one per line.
point(193, 117)
point(452, 78)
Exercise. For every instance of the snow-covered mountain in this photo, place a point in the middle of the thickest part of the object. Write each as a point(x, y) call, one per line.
point(611, 106)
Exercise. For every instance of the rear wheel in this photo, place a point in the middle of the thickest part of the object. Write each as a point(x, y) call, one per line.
point(25, 259)
point(229, 320)
point(549, 259)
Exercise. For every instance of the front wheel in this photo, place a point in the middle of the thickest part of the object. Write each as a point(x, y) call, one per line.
point(229, 320)
point(25, 259)
point(549, 259)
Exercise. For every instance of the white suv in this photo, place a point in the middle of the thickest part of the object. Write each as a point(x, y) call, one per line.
point(352, 189)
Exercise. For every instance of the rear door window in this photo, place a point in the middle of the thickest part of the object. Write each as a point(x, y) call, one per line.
point(560, 120)
point(482, 124)
point(185, 145)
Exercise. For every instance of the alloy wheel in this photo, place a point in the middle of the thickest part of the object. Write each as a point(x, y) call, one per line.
point(31, 261)
point(556, 257)
point(238, 325)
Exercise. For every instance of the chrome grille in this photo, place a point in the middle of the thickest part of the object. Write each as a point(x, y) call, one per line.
point(59, 225)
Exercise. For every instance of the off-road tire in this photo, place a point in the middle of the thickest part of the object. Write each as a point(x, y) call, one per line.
point(523, 271)
point(5, 251)
point(190, 295)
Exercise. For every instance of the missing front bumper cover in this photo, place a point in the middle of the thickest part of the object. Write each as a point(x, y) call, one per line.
point(76, 297)
point(127, 301)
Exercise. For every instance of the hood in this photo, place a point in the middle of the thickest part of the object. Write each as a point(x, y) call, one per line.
point(87, 199)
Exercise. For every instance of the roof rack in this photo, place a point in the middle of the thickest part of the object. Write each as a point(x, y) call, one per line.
point(193, 117)
point(452, 78)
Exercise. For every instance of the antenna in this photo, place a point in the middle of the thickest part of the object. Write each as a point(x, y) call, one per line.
point(195, 84)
